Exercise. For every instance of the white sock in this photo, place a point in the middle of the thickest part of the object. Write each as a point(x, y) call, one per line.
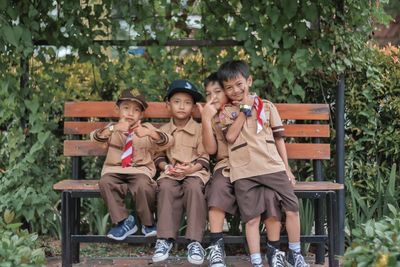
point(255, 258)
point(295, 246)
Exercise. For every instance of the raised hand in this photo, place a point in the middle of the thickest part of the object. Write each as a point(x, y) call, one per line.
point(141, 131)
point(123, 125)
point(209, 110)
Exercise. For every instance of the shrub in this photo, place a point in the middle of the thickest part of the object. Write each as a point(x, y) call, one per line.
point(376, 243)
point(18, 247)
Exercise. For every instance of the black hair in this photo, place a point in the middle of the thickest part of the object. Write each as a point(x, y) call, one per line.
point(212, 78)
point(232, 69)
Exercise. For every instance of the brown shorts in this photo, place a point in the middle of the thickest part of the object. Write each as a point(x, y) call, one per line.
point(265, 195)
point(220, 193)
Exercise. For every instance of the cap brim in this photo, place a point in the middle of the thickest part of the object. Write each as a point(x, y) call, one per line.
point(141, 103)
point(196, 95)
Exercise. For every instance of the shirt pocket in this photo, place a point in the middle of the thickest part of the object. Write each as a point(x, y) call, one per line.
point(272, 150)
point(239, 153)
point(186, 151)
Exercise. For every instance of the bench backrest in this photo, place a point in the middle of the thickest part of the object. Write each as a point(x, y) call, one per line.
point(301, 121)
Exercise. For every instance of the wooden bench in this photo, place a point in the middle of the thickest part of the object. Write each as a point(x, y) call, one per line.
point(83, 117)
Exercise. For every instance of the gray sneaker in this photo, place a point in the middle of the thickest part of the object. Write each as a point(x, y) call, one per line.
point(216, 255)
point(195, 254)
point(275, 257)
point(295, 259)
point(162, 249)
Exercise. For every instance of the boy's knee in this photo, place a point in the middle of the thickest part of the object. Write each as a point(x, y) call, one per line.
point(253, 222)
point(194, 188)
point(104, 183)
point(292, 214)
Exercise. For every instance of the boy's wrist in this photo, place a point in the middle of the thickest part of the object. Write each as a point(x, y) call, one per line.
point(246, 109)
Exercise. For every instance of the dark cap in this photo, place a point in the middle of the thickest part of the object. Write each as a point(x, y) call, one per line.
point(186, 87)
point(132, 95)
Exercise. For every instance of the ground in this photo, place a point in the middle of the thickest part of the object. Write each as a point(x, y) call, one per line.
point(120, 255)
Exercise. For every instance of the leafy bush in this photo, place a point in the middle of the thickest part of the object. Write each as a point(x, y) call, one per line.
point(376, 243)
point(18, 247)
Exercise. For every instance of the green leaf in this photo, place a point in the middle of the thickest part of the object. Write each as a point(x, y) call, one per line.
point(288, 41)
point(274, 15)
point(298, 90)
point(10, 35)
point(3, 4)
point(311, 12)
point(276, 34)
point(290, 8)
point(301, 29)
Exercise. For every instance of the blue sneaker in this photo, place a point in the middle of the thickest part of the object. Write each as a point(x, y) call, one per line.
point(123, 229)
point(149, 230)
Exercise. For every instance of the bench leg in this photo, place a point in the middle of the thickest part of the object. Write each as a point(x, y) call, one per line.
point(332, 233)
point(66, 206)
point(319, 230)
point(76, 202)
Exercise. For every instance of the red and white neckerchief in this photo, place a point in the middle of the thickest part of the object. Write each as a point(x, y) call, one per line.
point(127, 156)
point(261, 116)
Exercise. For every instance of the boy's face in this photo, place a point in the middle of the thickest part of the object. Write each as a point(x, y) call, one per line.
point(181, 105)
point(214, 91)
point(130, 111)
point(237, 88)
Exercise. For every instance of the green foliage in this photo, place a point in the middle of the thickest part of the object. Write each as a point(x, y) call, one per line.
point(18, 247)
point(296, 51)
point(372, 130)
point(376, 243)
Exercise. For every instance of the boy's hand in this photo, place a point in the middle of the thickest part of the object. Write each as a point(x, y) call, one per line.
point(209, 110)
point(172, 171)
point(122, 126)
point(291, 177)
point(141, 131)
point(184, 169)
point(247, 100)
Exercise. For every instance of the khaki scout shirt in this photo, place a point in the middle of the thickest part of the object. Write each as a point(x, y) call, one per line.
point(253, 154)
point(187, 148)
point(144, 149)
point(222, 147)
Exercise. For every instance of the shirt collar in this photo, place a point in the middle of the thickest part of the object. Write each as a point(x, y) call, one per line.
point(190, 126)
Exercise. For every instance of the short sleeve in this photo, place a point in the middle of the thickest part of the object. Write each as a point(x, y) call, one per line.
point(275, 120)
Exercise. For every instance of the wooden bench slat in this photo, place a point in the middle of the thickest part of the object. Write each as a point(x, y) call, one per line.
point(106, 109)
point(93, 185)
point(294, 150)
point(291, 130)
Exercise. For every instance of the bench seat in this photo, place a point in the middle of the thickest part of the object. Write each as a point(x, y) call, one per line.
point(93, 185)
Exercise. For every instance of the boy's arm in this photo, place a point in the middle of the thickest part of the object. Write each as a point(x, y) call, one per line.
point(278, 132)
point(207, 114)
point(101, 135)
point(236, 127)
point(280, 146)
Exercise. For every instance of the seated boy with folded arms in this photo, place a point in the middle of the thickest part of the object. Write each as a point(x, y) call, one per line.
point(129, 165)
point(184, 173)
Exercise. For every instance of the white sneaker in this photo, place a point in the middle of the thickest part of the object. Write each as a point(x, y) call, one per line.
point(162, 250)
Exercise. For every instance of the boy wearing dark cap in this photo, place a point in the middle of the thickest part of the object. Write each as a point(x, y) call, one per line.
point(258, 160)
point(129, 166)
point(184, 173)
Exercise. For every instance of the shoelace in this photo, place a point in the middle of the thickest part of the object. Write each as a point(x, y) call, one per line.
point(196, 249)
point(299, 260)
point(279, 259)
point(215, 255)
point(161, 246)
